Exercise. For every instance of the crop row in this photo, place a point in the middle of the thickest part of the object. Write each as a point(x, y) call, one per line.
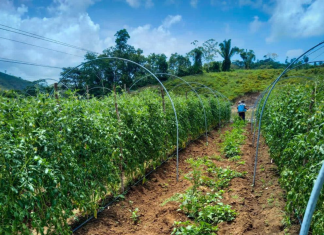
point(294, 130)
point(59, 157)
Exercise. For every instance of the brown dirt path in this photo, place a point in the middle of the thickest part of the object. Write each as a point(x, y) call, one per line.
point(260, 210)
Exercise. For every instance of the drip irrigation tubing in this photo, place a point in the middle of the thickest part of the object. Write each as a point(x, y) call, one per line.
point(299, 220)
point(136, 183)
point(154, 76)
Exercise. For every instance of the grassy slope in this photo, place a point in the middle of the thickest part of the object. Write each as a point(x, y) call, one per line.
point(8, 82)
point(240, 82)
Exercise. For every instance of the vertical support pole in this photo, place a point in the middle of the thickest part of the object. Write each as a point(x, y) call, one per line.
point(87, 92)
point(186, 95)
point(120, 147)
point(163, 101)
point(125, 88)
point(128, 90)
point(55, 90)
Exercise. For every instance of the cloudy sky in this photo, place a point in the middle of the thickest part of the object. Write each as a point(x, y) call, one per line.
point(285, 27)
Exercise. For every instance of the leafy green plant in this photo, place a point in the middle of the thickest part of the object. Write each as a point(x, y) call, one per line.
point(215, 214)
point(293, 129)
point(59, 157)
point(233, 139)
point(186, 228)
point(135, 215)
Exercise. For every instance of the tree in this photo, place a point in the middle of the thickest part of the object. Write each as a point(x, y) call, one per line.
point(157, 63)
point(106, 72)
point(305, 59)
point(179, 65)
point(227, 52)
point(196, 54)
point(213, 66)
point(210, 52)
point(271, 56)
point(248, 57)
point(122, 37)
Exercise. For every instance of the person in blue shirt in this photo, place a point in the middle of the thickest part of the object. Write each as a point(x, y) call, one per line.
point(241, 109)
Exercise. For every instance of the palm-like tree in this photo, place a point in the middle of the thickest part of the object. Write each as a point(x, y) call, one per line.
point(227, 52)
point(247, 57)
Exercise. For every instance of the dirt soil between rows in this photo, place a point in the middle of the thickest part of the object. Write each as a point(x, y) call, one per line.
point(260, 209)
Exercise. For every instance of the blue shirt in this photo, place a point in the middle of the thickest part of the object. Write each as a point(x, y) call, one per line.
point(241, 108)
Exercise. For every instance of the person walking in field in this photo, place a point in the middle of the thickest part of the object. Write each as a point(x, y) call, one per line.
point(241, 109)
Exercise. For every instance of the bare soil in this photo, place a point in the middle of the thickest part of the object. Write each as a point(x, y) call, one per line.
point(260, 208)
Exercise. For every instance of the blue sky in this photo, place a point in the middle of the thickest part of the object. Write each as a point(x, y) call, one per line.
point(285, 27)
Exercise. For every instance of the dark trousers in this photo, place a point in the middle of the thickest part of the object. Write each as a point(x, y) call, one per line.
point(242, 115)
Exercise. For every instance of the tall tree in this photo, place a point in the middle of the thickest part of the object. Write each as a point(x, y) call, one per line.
point(248, 57)
point(210, 52)
point(106, 72)
point(122, 37)
point(227, 52)
point(197, 56)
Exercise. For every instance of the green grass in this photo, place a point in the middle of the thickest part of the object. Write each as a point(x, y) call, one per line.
point(239, 82)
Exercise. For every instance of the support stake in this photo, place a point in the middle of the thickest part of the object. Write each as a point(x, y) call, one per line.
point(120, 147)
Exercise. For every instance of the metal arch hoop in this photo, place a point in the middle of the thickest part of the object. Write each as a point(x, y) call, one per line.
point(320, 179)
point(145, 69)
point(257, 104)
point(99, 87)
point(139, 80)
point(51, 79)
point(310, 62)
point(212, 90)
point(204, 86)
point(206, 126)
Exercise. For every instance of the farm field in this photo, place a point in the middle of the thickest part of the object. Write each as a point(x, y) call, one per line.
point(66, 155)
point(147, 117)
point(257, 211)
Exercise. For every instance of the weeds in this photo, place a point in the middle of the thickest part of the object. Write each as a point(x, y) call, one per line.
point(135, 215)
point(201, 203)
point(233, 139)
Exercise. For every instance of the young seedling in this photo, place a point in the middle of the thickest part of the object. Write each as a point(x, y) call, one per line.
point(135, 215)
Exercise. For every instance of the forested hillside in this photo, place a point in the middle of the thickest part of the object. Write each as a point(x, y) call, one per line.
point(9, 82)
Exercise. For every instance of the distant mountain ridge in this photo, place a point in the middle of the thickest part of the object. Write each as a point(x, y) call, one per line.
point(9, 82)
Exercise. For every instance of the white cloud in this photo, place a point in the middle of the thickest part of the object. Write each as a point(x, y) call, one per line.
point(194, 3)
point(294, 53)
point(133, 3)
point(170, 20)
point(302, 18)
point(255, 25)
point(68, 23)
point(159, 39)
point(138, 3)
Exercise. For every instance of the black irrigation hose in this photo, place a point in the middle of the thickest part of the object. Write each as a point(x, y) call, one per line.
point(126, 191)
point(300, 222)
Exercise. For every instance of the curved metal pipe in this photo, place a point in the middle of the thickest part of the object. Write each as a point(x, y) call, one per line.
point(145, 69)
point(261, 97)
point(265, 102)
point(204, 86)
point(206, 125)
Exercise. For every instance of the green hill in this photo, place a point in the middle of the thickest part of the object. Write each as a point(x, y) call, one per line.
point(9, 82)
point(240, 82)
